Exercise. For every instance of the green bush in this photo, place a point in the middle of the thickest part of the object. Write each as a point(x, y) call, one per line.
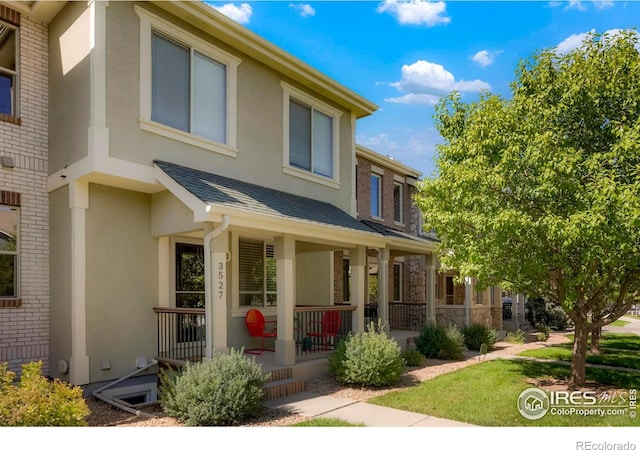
point(440, 342)
point(543, 332)
point(477, 334)
point(35, 401)
point(224, 390)
point(413, 358)
point(369, 358)
point(515, 338)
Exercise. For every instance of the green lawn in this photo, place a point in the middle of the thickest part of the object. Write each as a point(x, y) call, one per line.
point(624, 341)
point(607, 356)
point(326, 422)
point(486, 394)
point(619, 323)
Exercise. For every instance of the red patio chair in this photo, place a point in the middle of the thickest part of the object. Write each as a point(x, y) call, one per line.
point(326, 329)
point(257, 327)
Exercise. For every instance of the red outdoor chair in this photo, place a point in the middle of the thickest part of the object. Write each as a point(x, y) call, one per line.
point(324, 330)
point(257, 327)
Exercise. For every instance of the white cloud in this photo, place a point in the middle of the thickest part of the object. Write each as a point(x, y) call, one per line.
point(603, 4)
point(577, 4)
point(575, 40)
point(415, 99)
point(423, 82)
point(571, 43)
point(304, 9)
point(382, 143)
point(241, 14)
point(484, 57)
point(416, 12)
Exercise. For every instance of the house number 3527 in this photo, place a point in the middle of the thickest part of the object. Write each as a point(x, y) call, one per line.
point(220, 280)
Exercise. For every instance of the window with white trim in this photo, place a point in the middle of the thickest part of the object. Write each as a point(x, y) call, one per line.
point(9, 245)
point(311, 131)
point(188, 86)
point(397, 202)
point(376, 195)
point(257, 273)
point(8, 69)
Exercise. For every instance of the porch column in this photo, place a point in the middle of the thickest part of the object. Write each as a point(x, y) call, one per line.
point(468, 294)
point(383, 287)
point(216, 294)
point(521, 300)
point(430, 273)
point(358, 262)
point(514, 310)
point(285, 252)
point(79, 360)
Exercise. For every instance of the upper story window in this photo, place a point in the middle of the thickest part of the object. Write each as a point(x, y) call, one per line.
point(188, 87)
point(9, 245)
point(376, 195)
point(311, 131)
point(8, 69)
point(397, 202)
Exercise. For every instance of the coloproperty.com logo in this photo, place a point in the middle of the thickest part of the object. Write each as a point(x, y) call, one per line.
point(534, 403)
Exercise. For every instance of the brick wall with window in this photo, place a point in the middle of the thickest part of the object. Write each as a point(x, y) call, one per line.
point(24, 199)
point(391, 192)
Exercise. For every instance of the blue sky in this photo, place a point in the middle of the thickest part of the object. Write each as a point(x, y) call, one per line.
point(404, 55)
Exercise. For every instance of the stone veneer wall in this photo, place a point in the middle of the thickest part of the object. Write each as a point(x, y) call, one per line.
point(24, 322)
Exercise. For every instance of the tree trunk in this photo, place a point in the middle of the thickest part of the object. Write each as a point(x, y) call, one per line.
point(596, 335)
point(579, 358)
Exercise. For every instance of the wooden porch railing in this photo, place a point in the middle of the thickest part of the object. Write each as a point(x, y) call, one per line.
point(321, 328)
point(407, 316)
point(181, 334)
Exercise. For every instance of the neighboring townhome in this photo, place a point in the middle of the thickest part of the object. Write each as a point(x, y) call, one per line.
point(403, 294)
point(401, 287)
point(197, 172)
point(24, 210)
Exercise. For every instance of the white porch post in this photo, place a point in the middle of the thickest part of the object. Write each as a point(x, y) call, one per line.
point(79, 360)
point(383, 286)
point(216, 290)
point(358, 262)
point(514, 310)
point(520, 298)
point(430, 272)
point(468, 293)
point(285, 252)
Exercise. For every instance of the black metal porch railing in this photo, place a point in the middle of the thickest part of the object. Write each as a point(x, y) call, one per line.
point(321, 328)
point(407, 316)
point(181, 334)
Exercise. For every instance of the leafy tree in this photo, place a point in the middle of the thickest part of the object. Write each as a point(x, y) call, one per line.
point(541, 192)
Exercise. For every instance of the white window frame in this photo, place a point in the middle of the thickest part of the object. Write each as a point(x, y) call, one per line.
point(379, 195)
point(400, 200)
point(150, 22)
point(14, 73)
point(292, 93)
point(16, 254)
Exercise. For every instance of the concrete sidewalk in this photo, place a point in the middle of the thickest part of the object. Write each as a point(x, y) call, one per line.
point(313, 405)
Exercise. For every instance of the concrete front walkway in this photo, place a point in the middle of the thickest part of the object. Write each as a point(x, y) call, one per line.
point(314, 405)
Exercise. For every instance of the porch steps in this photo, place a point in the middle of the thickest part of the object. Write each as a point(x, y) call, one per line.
point(282, 384)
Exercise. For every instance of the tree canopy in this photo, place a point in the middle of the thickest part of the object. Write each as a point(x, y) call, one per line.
point(541, 191)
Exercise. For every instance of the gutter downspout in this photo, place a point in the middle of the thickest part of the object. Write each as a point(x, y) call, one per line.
point(208, 292)
point(97, 393)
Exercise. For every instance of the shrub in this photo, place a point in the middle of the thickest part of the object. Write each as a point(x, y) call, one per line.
point(515, 338)
point(413, 358)
point(477, 334)
point(437, 341)
point(224, 390)
point(35, 401)
point(369, 358)
point(543, 332)
point(540, 311)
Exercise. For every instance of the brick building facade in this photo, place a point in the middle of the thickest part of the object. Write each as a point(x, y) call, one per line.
point(24, 212)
